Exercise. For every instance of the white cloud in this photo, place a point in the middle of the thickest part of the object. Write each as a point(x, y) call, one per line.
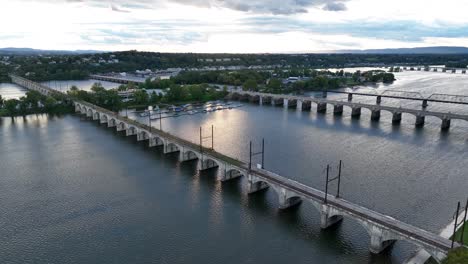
point(220, 26)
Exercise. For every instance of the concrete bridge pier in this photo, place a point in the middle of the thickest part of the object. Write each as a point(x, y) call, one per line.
point(396, 118)
point(254, 99)
point(292, 103)
point(379, 241)
point(321, 107)
point(230, 174)
point(420, 120)
point(306, 105)
point(375, 115)
point(328, 216)
point(356, 112)
point(265, 100)
point(338, 109)
point(254, 185)
point(350, 97)
point(235, 96)
point(244, 97)
point(288, 199)
point(445, 123)
point(278, 102)
point(425, 104)
point(378, 100)
point(96, 116)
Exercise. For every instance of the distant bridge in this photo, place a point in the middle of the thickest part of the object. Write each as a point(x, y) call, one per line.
point(116, 79)
point(382, 229)
point(306, 103)
point(432, 69)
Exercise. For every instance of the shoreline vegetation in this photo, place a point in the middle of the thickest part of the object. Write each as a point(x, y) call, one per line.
point(35, 103)
point(193, 87)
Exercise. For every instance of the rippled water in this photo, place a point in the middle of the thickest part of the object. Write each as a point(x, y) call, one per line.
point(76, 192)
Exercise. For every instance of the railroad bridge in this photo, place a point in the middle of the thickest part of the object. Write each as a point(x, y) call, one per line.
point(305, 103)
point(382, 229)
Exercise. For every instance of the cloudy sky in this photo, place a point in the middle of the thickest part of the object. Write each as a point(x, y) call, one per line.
point(240, 26)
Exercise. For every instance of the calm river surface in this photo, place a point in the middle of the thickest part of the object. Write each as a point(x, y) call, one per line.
point(73, 191)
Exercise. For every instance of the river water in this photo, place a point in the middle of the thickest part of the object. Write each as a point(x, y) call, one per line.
point(73, 191)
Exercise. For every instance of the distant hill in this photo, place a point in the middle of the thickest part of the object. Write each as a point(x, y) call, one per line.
point(29, 51)
point(422, 50)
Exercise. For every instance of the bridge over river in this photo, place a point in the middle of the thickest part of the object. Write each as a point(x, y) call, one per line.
point(382, 229)
point(305, 103)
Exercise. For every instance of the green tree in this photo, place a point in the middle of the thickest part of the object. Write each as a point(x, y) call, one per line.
point(140, 97)
point(11, 106)
point(250, 85)
point(274, 85)
point(1, 101)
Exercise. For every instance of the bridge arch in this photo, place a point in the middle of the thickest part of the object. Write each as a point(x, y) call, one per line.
point(233, 173)
point(156, 141)
point(121, 125)
point(208, 163)
point(104, 118)
point(189, 155)
point(96, 115)
point(171, 147)
point(131, 131)
point(143, 135)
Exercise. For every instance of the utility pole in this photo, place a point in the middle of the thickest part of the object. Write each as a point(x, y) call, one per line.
point(339, 180)
point(252, 154)
point(455, 225)
point(149, 121)
point(464, 223)
point(328, 180)
point(326, 185)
